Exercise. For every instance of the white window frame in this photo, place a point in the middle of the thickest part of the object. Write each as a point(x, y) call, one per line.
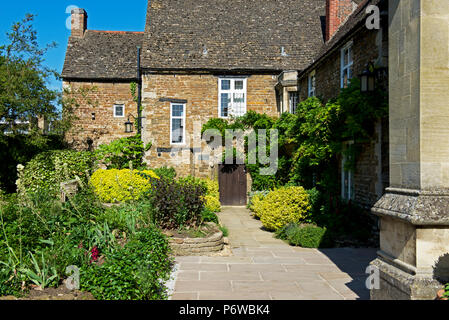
point(183, 117)
point(115, 110)
point(231, 92)
point(349, 188)
point(344, 68)
point(311, 84)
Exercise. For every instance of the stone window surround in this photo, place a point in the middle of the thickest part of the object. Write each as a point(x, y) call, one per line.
point(183, 117)
point(345, 67)
point(231, 91)
point(119, 104)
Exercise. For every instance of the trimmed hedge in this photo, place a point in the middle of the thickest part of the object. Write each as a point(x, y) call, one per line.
point(306, 236)
point(48, 169)
point(115, 186)
point(281, 207)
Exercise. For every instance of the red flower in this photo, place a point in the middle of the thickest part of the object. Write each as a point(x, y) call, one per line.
point(94, 254)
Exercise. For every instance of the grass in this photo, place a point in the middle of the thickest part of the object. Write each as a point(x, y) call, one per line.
point(224, 230)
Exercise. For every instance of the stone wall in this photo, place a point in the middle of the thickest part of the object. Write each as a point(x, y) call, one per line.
point(98, 98)
point(371, 175)
point(366, 47)
point(200, 91)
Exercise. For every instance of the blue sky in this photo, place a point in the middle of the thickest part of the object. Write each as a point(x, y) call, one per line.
point(50, 22)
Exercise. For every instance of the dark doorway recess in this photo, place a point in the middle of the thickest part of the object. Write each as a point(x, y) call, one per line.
point(233, 184)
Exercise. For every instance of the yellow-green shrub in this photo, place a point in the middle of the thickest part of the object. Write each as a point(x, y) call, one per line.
point(282, 206)
point(113, 185)
point(212, 197)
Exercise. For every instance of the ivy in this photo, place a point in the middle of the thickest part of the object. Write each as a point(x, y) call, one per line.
point(311, 140)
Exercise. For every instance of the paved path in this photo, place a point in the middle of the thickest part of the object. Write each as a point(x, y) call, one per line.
point(265, 268)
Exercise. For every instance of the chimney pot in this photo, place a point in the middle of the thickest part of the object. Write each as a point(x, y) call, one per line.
point(337, 11)
point(79, 22)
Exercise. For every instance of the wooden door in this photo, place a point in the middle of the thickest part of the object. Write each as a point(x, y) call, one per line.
point(233, 185)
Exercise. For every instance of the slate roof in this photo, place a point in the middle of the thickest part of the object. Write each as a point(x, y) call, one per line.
point(354, 21)
point(110, 55)
point(232, 34)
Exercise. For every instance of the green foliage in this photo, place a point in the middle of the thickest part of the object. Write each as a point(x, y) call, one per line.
point(123, 216)
point(208, 215)
point(136, 272)
point(306, 236)
point(20, 149)
point(120, 153)
point(48, 169)
point(115, 186)
point(224, 230)
point(166, 172)
point(282, 206)
point(116, 248)
point(24, 92)
point(177, 203)
point(41, 274)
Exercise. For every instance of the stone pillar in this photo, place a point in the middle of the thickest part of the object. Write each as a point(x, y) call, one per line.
point(414, 212)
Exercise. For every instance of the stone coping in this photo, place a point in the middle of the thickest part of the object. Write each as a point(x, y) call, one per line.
point(417, 207)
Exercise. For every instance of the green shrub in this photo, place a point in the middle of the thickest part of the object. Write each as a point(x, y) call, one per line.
point(119, 153)
point(48, 169)
point(212, 197)
point(169, 173)
point(281, 233)
point(177, 203)
point(255, 196)
point(208, 215)
point(282, 206)
point(20, 149)
point(114, 186)
point(120, 217)
point(306, 236)
point(136, 272)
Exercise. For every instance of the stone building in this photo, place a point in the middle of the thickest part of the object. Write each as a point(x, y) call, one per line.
point(97, 75)
point(349, 48)
point(197, 64)
point(200, 60)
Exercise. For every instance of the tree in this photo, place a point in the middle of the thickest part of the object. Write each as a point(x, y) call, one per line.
point(24, 92)
point(24, 96)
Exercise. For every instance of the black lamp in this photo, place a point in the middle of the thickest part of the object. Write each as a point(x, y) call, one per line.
point(129, 126)
point(368, 79)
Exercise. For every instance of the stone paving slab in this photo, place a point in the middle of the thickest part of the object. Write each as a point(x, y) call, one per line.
point(265, 268)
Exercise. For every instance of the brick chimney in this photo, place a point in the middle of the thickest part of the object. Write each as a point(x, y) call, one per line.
point(336, 13)
point(79, 22)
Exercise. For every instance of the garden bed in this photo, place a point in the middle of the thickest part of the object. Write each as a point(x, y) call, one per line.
point(60, 293)
point(185, 243)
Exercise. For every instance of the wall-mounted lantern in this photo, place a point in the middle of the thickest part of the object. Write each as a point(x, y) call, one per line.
point(129, 126)
point(367, 81)
point(372, 77)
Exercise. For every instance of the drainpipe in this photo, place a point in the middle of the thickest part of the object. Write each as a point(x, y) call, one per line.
point(139, 95)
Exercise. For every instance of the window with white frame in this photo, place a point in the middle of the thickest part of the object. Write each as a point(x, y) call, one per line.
point(312, 84)
point(346, 65)
point(293, 100)
point(347, 174)
point(231, 97)
point(119, 110)
point(177, 123)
